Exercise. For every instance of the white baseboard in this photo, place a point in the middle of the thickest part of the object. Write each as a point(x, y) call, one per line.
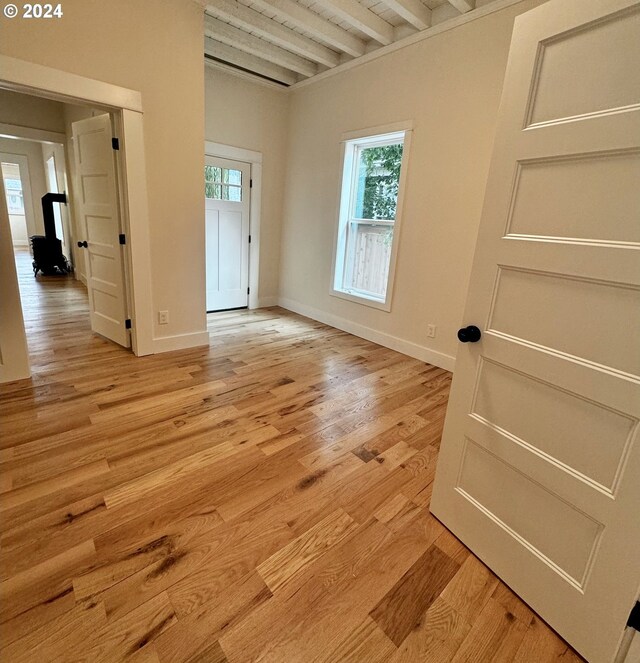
point(21, 243)
point(180, 342)
point(387, 340)
point(265, 302)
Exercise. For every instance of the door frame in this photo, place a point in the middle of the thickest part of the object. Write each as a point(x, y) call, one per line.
point(254, 159)
point(22, 161)
point(125, 107)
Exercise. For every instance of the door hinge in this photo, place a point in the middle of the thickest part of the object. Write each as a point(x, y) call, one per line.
point(122, 238)
point(127, 323)
point(634, 617)
point(115, 143)
point(248, 291)
point(251, 184)
point(249, 239)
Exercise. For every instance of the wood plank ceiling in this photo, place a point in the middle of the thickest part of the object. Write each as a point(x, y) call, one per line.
point(287, 41)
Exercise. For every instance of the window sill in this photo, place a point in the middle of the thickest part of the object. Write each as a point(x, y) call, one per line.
point(362, 299)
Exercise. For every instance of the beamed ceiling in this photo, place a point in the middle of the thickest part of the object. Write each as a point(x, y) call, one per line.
point(288, 41)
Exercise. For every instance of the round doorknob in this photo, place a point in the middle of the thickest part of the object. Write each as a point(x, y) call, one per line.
point(83, 245)
point(470, 334)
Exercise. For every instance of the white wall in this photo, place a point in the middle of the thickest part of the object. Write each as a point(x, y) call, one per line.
point(19, 234)
point(155, 47)
point(26, 111)
point(449, 85)
point(253, 116)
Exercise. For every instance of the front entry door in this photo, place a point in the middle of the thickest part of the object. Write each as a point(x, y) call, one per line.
point(100, 221)
point(227, 194)
point(539, 470)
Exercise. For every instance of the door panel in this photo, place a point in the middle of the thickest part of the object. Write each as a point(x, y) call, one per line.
point(231, 259)
point(539, 465)
point(486, 481)
point(567, 199)
point(227, 195)
point(95, 171)
point(565, 428)
point(608, 82)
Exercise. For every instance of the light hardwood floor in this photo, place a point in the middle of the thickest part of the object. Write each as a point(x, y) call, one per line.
point(262, 499)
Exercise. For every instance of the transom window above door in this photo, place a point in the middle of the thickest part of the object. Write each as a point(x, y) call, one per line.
point(223, 184)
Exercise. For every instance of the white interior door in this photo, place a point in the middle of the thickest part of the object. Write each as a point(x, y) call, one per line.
point(539, 471)
point(227, 196)
point(95, 166)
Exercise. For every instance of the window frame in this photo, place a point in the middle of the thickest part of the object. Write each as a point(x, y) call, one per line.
point(350, 143)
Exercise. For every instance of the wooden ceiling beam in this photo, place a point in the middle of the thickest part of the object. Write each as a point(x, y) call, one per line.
point(253, 21)
point(243, 41)
point(247, 62)
point(361, 18)
point(412, 11)
point(313, 24)
point(463, 6)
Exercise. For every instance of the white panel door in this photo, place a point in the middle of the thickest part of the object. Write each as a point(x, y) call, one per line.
point(227, 196)
point(96, 181)
point(539, 470)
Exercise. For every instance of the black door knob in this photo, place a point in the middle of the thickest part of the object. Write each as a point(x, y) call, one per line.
point(83, 245)
point(470, 334)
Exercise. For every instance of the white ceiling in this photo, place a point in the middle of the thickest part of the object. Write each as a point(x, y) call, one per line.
point(288, 41)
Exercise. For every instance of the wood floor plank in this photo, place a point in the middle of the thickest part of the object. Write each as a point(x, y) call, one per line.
point(333, 614)
point(19, 496)
point(247, 546)
point(283, 567)
point(435, 638)
point(470, 588)
point(397, 512)
point(495, 637)
point(64, 638)
point(367, 642)
point(542, 645)
point(261, 499)
point(123, 638)
point(44, 583)
point(202, 628)
point(402, 608)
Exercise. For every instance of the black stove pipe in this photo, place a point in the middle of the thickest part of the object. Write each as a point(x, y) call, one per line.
point(47, 212)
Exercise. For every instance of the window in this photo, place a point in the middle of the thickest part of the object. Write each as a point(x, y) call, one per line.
point(53, 188)
point(368, 223)
point(222, 184)
point(13, 188)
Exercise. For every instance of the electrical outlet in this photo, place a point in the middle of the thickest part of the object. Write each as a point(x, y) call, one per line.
point(163, 317)
point(431, 331)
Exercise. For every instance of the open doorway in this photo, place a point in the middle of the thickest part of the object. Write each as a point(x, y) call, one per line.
point(125, 110)
point(232, 188)
point(63, 200)
point(227, 208)
point(17, 191)
point(31, 169)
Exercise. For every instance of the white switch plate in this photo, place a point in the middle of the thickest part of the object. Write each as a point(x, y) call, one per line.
point(431, 331)
point(163, 317)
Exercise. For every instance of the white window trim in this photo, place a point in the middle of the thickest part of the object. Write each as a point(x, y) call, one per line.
point(376, 134)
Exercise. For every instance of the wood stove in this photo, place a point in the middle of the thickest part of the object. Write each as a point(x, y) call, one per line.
point(47, 249)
